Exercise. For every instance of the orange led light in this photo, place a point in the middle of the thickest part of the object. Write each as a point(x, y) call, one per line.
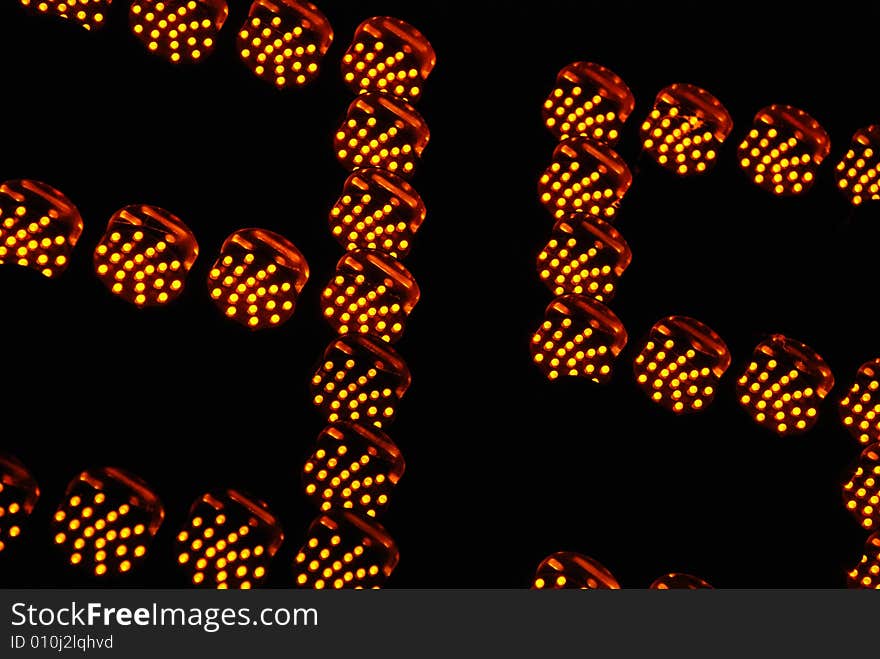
point(107, 520)
point(90, 14)
point(284, 41)
point(345, 551)
point(580, 337)
point(18, 496)
point(377, 210)
point(588, 101)
point(39, 226)
point(228, 541)
point(569, 570)
point(354, 468)
point(860, 406)
point(784, 384)
point(388, 55)
point(867, 573)
point(680, 581)
point(858, 172)
point(685, 129)
point(179, 30)
point(584, 176)
point(585, 255)
point(680, 364)
point(381, 131)
point(361, 380)
point(371, 293)
point(862, 492)
point(145, 255)
point(257, 278)
point(783, 150)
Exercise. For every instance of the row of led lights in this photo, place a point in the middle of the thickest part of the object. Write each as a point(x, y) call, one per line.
point(682, 360)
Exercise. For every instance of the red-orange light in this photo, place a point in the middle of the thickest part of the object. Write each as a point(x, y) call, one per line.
point(284, 41)
point(858, 172)
point(580, 337)
point(145, 255)
point(588, 100)
point(345, 551)
point(860, 406)
point(867, 573)
point(18, 496)
point(680, 581)
point(107, 520)
point(90, 14)
point(680, 364)
point(381, 131)
point(377, 210)
point(39, 226)
point(257, 278)
point(783, 150)
point(388, 55)
point(783, 385)
point(228, 541)
point(584, 176)
point(178, 30)
point(862, 492)
point(685, 129)
point(586, 256)
point(353, 468)
point(569, 570)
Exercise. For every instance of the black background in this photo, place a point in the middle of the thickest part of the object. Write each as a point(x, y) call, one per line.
point(502, 466)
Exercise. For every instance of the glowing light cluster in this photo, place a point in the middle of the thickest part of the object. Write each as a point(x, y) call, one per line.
point(145, 254)
point(860, 406)
point(284, 41)
point(18, 496)
point(89, 14)
point(867, 573)
point(858, 172)
point(257, 278)
point(862, 492)
point(588, 100)
point(107, 520)
point(39, 226)
point(680, 364)
point(679, 581)
point(228, 541)
point(783, 385)
point(569, 570)
point(178, 30)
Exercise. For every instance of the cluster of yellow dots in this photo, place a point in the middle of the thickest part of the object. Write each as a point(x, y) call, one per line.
point(354, 468)
point(586, 256)
point(106, 522)
point(388, 55)
point(783, 385)
point(344, 551)
point(180, 30)
point(867, 573)
point(257, 278)
point(580, 337)
point(858, 172)
point(377, 210)
point(860, 406)
point(18, 496)
point(359, 380)
point(588, 101)
point(862, 492)
point(284, 41)
point(90, 14)
point(39, 227)
point(584, 176)
point(568, 570)
point(783, 150)
point(681, 363)
point(145, 255)
point(228, 542)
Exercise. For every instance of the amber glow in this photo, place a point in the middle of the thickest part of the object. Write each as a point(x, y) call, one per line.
point(381, 131)
point(784, 385)
point(586, 256)
point(145, 255)
point(228, 541)
point(858, 172)
point(867, 573)
point(90, 14)
point(680, 364)
point(783, 150)
point(860, 406)
point(257, 278)
point(359, 379)
point(862, 492)
point(106, 521)
point(678, 580)
point(178, 30)
point(18, 496)
point(388, 55)
point(345, 551)
point(584, 176)
point(569, 570)
point(685, 129)
point(284, 41)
